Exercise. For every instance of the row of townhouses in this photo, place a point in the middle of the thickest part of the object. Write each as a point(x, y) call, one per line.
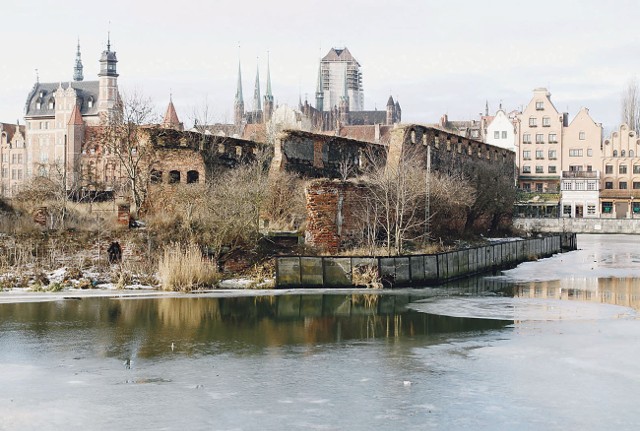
point(565, 168)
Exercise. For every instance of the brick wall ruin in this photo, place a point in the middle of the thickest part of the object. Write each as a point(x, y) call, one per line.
point(332, 208)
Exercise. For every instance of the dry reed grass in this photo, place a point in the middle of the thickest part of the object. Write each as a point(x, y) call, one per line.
point(183, 268)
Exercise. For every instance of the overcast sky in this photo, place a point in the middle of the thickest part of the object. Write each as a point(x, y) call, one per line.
point(436, 57)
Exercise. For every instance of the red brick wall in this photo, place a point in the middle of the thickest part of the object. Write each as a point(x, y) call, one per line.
point(332, 214)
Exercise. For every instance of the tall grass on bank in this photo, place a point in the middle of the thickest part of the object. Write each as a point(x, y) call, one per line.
point(183, 268)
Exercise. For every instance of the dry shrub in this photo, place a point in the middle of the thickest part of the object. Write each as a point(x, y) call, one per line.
point(184, 268)
point(366, 276)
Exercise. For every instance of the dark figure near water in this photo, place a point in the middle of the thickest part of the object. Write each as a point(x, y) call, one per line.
point(115, 253)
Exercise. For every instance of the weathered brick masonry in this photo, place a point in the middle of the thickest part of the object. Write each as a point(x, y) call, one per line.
point(332, 207)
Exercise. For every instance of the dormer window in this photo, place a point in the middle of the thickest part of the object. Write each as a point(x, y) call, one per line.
point(52, 103)
point(90, 102)
point(38, 104)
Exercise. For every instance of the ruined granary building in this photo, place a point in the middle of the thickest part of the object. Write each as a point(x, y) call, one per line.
point(331, 217)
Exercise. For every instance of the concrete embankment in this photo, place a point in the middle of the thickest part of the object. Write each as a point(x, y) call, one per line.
point(416, 270)
point(578, 225)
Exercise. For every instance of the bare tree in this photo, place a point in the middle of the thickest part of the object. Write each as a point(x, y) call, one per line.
point(397, 198)
point(122, 135)
point(631, 105)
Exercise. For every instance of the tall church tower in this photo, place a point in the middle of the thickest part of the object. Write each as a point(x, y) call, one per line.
point(319, 91)
point(344, 103)
point(268, 97)
point(108, 79)
point(238, 104)
point(77, 69)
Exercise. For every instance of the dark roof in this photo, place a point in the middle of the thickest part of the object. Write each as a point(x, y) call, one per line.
point(84, 91)
point(10, 130)
point(367, 117)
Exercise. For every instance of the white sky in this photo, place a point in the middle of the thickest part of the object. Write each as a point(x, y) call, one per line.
point(436, 57)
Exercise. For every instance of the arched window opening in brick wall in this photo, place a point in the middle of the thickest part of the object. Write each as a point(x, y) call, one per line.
point(174, 177)
point(193, 177)
point(156, 176)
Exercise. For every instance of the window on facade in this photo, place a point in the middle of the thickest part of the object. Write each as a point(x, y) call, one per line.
point(553, 138)
point(567, 185)
point(546, 122)
point(607, 207)
point(615, 153)
point(526, 169)
point(582, 136)
point(52, 103)
point(589, 152)
point(591, 209)
point(622, 185)
point(526, 155)
point(566, 210)
point(580, 185)
point(496, 135)
point(553, 155)
point(622, 169)
point(533, 121)
point(539, 138)
point(539, 106)
point(90, 102)
point(575, 152)
point(552, 169)
point(539, 169)
point(526, 138)
point(526, 186)
point(636, 185)
point(591, 185)
point(539, 187)
point(608, 185)
point(504, 134)
point(539, 154)
point(636, 169)
point(630, 153)
point(608, 169)
point(475, 134)
point(623, 153)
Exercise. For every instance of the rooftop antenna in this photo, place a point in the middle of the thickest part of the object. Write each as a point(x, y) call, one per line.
point(109, 36)
point(37, 77)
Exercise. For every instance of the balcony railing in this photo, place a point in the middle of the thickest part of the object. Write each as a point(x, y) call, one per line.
point(580, 174)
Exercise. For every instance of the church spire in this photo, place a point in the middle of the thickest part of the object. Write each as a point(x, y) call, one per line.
point(77, 70)
point(238, 106)
point(257, 104)
point(239, 97)
point(268, 97)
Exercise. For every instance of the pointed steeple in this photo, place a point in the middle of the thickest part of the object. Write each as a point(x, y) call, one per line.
point(269, 95)
point(239, 98)
point(257, 104)
point(268, 98)
point(319, 90)
point(75, 119)
point(171, 120)
point(238, 105)
point(77, 70)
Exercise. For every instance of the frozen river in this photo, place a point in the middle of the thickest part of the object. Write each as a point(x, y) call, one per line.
point(550, 345)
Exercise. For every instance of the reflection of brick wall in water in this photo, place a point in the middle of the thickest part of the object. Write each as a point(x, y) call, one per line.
point(332, 214)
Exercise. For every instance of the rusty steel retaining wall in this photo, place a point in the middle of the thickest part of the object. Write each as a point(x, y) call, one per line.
point(416, 270)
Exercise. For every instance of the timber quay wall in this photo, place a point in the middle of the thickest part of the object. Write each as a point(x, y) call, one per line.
point(416, 270)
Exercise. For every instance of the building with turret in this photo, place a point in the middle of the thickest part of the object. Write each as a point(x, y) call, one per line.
point(57, 113)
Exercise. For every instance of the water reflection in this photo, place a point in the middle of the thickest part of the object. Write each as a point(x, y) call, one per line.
point(130, 329)
point(610, 290)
